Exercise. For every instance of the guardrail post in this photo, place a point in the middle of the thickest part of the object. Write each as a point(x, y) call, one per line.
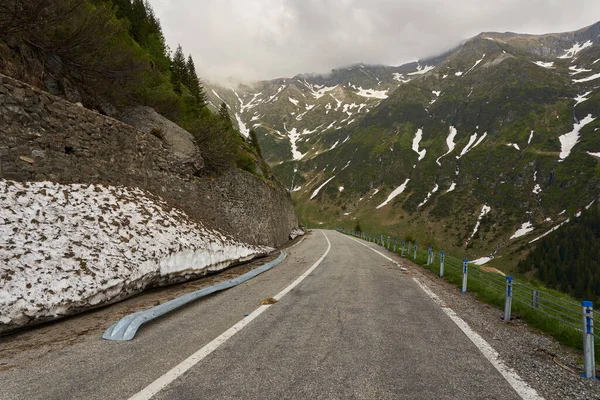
point(535, 299)
point(395, 242)
point(429, 254)
point(465, 273)
point(409, 249)
point(442, 254)
point(403, 243)
point(589, 362)
point(508, 298)
point(416, 245)
point(388, 243)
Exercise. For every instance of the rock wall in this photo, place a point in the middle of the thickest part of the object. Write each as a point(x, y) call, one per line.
point(43, 137)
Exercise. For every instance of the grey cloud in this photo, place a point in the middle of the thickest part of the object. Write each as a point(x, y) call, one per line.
point(263, 39)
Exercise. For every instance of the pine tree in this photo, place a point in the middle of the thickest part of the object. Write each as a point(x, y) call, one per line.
point(224, 114)
point(178, 70)
point(194, 83)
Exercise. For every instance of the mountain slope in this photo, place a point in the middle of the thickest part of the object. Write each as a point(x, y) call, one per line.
point(499, 138)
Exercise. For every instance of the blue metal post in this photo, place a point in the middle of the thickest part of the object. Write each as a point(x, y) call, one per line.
point(589, 362)
point(508, 298)
point(465, 273)
point(442, 254)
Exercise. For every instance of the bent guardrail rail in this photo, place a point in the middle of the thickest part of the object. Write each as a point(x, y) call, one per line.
point(126, 327)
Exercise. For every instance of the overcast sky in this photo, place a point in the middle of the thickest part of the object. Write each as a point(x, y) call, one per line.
point(265, 39)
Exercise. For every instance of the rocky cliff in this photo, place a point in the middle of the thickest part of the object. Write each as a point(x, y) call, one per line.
point(47, 138)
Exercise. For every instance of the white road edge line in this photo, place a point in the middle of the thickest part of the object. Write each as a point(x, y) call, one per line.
point(162, 382)
point(518, 384)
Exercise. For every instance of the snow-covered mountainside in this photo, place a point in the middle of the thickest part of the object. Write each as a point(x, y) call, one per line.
point(488, 147)
point(66, 248)
point(290, 115)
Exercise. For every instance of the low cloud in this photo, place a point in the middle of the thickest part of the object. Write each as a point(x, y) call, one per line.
point(264, 39)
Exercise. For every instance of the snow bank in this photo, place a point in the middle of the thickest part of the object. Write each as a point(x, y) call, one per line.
point(482, 260)
point(569, 140)
point(525, 228)
point(242, 126)
point(394, 193)
point(66, 248)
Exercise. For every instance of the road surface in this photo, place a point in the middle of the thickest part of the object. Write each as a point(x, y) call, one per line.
point(357, 326)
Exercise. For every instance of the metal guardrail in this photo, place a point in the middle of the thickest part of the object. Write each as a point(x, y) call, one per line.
point(126, 327)
point(568, 313)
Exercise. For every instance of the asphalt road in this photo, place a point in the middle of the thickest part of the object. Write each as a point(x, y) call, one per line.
point(358, 326)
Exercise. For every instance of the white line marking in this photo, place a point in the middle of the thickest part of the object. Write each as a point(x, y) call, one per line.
point(301, 240)
point(518, 384)
point(369, 247)
point(163, 381)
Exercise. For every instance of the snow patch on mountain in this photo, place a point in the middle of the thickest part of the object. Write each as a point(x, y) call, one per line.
point(530, 137)
point(471, 144)
point(450, 143)
point(415, 144)
point(569, 140)
point(594, 154)
point(242, 126)
point(525, 228)
point(371, 93)
point(400, 77)
point(317, 91)
point(589, 78)
point(516, 146)
point(476, 64)
point(550, 231)
point(451, 188)
point(293, 101)
point(422, 70)
point(484, 210)
point(548, 65)
point(435, 189)
point(581, 98)
point(570, 53)
point(576, 70)
point(317, 190)
point(394, 193)
point(293, 135)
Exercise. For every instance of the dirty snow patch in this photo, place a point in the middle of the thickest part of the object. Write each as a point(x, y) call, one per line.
point(71, 247)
